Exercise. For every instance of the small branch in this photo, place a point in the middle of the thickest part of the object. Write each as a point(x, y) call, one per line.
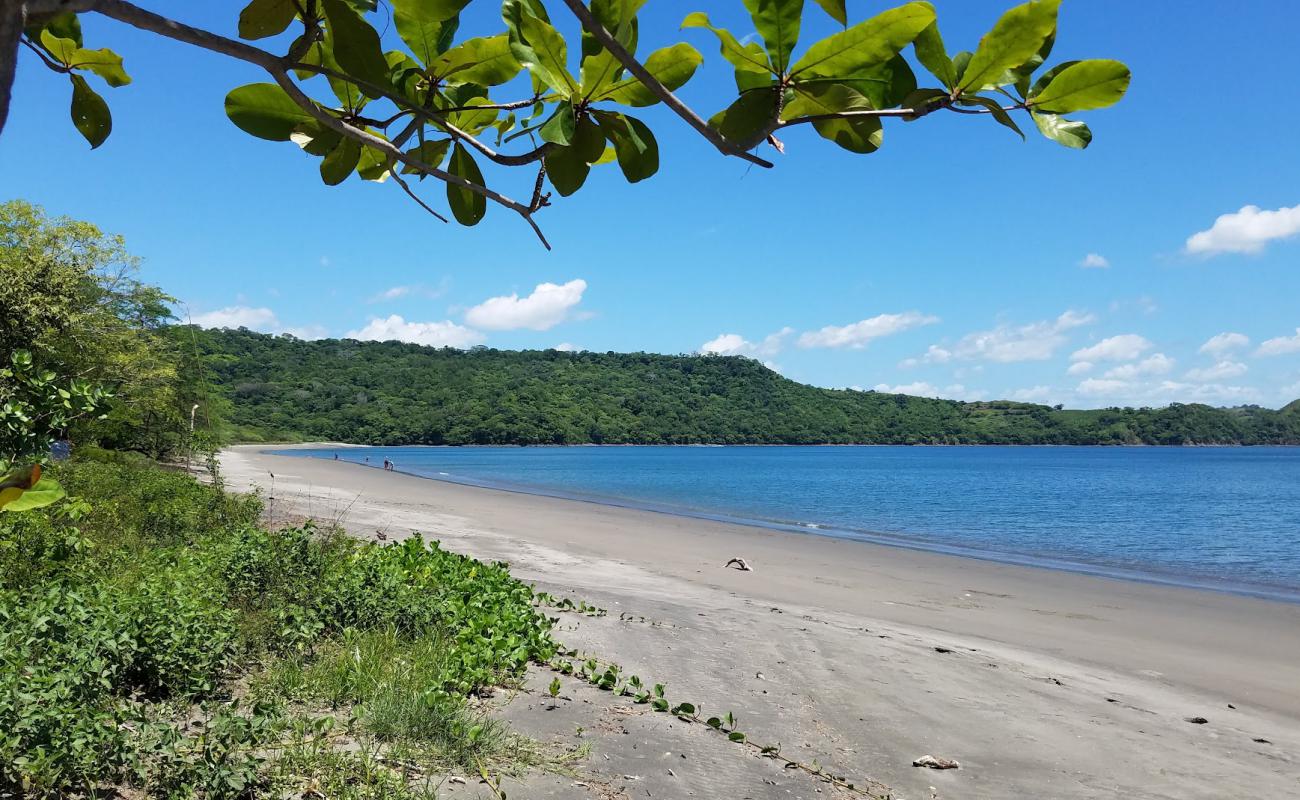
point(432, 117)
point(607, 40)
point(386, 147)
point(410, 193)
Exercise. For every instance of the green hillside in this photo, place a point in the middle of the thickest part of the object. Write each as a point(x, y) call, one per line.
point(281, 388)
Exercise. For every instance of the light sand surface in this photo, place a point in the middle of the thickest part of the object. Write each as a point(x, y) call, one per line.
point(1054, 685)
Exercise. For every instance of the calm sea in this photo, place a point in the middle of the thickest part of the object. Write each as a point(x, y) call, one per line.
point(1226, 518)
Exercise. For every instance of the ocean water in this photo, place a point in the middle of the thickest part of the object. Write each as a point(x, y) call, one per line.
point(1222, 518)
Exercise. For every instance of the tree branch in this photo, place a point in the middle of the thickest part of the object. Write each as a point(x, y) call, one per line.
point(433, 116)
point(13, 18)
point(607, 40)
point(153, 23)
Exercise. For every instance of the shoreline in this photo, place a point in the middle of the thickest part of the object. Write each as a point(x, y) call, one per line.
point(864, 656)
point(1273, 593)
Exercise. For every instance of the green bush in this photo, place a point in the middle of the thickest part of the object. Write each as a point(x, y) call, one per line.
point(147, 594)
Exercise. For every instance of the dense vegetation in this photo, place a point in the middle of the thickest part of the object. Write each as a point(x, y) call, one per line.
point(282, 388)
point(152, 635)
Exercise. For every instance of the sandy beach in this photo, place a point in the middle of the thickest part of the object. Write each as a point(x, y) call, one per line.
point(1041, 683)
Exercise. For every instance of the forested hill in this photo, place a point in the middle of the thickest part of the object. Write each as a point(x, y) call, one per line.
point(281, 388)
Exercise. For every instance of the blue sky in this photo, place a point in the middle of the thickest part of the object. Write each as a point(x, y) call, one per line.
point(957, 261)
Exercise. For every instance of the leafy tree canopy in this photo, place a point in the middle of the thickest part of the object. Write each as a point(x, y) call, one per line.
point(282, 388)
point(555, 98)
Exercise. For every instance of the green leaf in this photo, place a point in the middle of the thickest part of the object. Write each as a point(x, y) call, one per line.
point(884, 85)
point(634, 145)
point(90, 113)
point(431, 153)
point(263, 18)
point(65, 26)
point(744, 59)
point(777, 21)
point(1063, 131)
point(567, 167)
point(1084, 85)
point(932, 54)
point(671, 66)
point(59, 48)
point(836, 9)
point(104, 63)
point(598, 72)
point(855, 134)
point(373, 165)
point(559, 129)
point(315, 138)
point(423, 25)
point(995, 109)
point(736, 736)
point(45, 492)
point(467, 205)
point(355, 44)
point(1014, 40)
point(550, 55)
point(866, 44)
point(1020, 75)
point(340, 163)
point(474, 120)
point(265, 111)
point(485, 61)
point(746, 120)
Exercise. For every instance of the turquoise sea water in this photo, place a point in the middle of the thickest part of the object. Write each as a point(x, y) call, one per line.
point(1225, 518)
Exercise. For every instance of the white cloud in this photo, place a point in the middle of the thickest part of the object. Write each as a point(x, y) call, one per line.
point(1124, 347)
point(1245, 231)
point(916, 389)
point(566, 347)
point(1008, 344)
point(733, 344)
point(433, 334)
point(1280, 345)
point(257, 319)
point(1095, 261)
point(391, 294)
point(1157, 394)
point(859, 334)
point(1155, 364)
point(548, 306)
point(1224, 343)
point(1102, 386)
point(1218, 372)
point(954, 391)
point(308, 332)
point(1037, 394)
point(1079, 368)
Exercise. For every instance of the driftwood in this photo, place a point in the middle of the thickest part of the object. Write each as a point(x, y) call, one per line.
point(740, 565)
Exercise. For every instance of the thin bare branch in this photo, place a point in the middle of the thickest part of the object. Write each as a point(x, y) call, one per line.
point(411, 193)
point(607, 40)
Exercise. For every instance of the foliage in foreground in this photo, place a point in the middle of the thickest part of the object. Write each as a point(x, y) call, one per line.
point(130, 617)
point(383, 90)
point(283, 388)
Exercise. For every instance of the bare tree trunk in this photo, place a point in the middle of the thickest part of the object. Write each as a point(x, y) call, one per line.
point(13, 16)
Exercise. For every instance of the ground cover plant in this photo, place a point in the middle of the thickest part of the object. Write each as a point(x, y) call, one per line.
point(152, 635)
